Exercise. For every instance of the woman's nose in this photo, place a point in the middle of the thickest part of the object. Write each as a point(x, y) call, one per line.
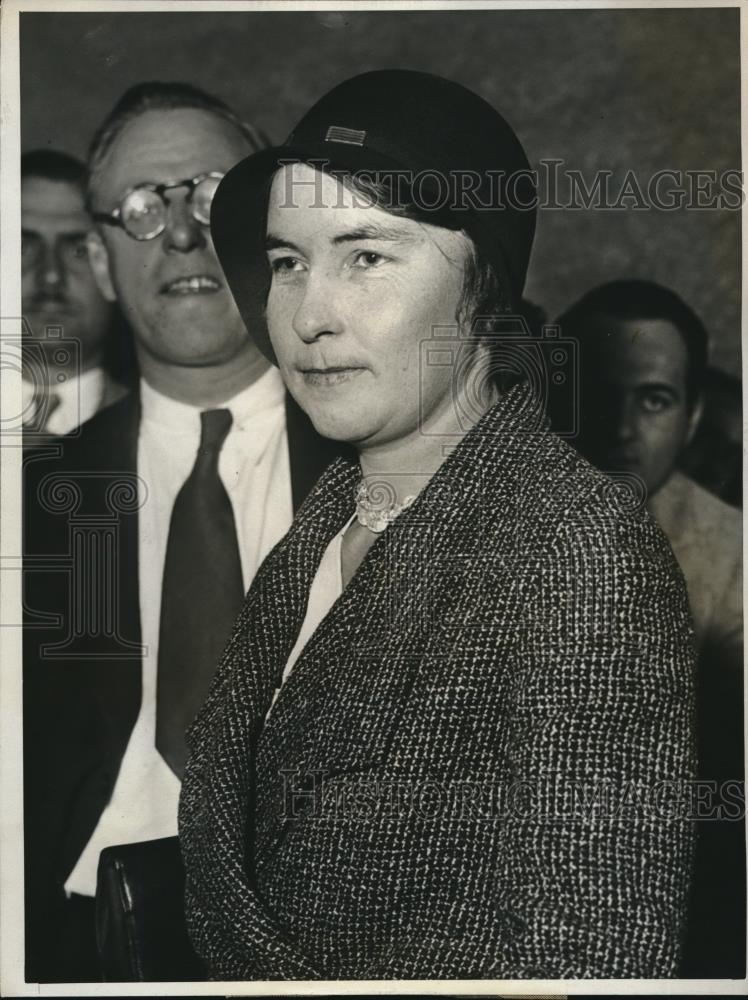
point(319, 312)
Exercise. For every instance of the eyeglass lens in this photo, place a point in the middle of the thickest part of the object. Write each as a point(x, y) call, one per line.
point(143, 212)
point(202, 198)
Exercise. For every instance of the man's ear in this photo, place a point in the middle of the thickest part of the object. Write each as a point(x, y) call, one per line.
point(99, 260)
point(694, 418)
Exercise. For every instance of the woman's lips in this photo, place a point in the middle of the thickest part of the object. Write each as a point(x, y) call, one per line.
point(324, 377)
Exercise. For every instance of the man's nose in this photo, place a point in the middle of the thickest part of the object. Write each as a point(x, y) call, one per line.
point(183, 232)
point(626, 420)
point(318, 314)
point(51, 271)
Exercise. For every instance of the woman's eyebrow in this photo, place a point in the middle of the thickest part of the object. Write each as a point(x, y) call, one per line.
point(273, 242)
point(370, 231)
point(374, 231)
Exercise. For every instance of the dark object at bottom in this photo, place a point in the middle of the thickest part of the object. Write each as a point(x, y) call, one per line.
point(140, 925)
point(66, 953)
point(715, 943)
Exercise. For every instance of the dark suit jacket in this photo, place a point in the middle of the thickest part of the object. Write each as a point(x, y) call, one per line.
point(82, 656)
point(513, 649)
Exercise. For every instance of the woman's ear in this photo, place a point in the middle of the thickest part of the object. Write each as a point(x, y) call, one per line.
point(98, 257)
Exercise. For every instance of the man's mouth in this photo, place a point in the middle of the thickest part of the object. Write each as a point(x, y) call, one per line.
point(50, 305)
point(195, 284)
point(622, 459)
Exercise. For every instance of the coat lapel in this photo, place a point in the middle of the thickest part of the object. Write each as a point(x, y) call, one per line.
point(397, 615)
point(81, 673)
point(109, 672)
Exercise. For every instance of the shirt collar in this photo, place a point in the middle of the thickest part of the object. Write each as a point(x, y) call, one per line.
point(89, 383)
point(78, 399)
point(267, 393)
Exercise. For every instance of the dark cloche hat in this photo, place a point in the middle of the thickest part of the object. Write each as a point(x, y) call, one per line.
point(464, 158)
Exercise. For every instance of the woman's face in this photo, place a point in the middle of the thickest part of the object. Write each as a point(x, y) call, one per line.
point(357, 296)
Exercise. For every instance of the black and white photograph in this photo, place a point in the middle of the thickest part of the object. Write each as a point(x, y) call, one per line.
point(371, 453)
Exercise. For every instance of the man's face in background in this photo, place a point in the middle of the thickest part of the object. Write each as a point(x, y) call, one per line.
point(636, 415)
point(58, 286)
point(171, 287)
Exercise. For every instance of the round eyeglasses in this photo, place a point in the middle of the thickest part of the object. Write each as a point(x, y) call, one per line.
point(142, 211)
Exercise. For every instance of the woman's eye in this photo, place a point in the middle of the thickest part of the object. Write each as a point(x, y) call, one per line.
point(368, 259)
point(281, 265)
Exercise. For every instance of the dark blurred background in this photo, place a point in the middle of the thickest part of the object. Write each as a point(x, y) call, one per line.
point(644, 90)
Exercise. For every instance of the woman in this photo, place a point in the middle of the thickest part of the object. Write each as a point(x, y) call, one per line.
point(465, 654)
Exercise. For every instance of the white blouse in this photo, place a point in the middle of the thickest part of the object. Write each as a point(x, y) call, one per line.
point(327, 586)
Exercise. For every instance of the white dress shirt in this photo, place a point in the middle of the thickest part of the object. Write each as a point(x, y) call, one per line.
point(254, 467)
point(79, 398)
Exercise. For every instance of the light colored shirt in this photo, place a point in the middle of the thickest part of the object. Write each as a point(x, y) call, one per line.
point(706, 536)
point(326, 588)
point(78, 399)
point(254, 467)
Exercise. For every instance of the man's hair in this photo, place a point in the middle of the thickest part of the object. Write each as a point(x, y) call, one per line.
point(161, 96)
point(637, 299)
point(53, 165)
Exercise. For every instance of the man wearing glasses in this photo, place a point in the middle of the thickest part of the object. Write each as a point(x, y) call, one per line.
point(198, 474)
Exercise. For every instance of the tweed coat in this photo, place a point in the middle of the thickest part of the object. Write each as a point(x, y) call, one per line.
point(516, 641)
